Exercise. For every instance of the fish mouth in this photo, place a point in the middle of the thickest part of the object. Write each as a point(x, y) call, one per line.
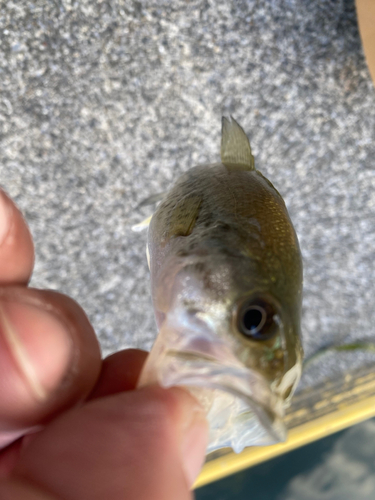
point(241, 408)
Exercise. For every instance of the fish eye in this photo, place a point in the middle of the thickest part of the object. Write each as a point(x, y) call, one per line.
point(256, 320)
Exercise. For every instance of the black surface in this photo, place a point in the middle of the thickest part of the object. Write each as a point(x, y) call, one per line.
point(267, 480)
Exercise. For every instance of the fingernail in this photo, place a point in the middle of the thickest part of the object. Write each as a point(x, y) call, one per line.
point(39, 345)
point(5, 212)
point(194, 445)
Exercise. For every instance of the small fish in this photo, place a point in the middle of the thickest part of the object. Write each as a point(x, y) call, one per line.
point(226, 277)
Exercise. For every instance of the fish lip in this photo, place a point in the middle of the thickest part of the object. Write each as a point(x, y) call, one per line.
point(206, 371)
point(242, 407)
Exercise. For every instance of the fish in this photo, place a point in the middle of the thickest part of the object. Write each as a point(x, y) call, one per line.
point(226, 285)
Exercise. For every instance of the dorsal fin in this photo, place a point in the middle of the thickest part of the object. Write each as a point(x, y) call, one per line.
point(235, 146)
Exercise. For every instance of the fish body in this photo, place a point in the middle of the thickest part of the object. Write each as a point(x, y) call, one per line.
point(226, 278)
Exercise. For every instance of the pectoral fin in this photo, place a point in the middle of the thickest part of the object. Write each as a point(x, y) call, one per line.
point(184, 216)
point(148, 256)
point(154, 198)
point(355, 346)
point(235, 146)
point(137, 228)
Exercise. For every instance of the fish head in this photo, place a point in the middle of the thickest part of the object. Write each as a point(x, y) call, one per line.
point(230, 333)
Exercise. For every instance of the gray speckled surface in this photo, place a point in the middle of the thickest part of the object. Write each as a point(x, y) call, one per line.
point(104, 103)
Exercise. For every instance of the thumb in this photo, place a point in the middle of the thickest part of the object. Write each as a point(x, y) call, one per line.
point(142, 444)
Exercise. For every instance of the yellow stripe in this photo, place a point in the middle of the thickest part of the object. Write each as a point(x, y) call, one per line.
point(298, 436)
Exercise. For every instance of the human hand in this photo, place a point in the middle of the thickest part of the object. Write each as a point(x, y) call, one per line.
point(94, 436)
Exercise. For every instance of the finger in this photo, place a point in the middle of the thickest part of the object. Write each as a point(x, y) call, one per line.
point(119, 373)
point(49, 358)
point(16, 245)
point(15, 490)
point(9, 457)
point(142, 444)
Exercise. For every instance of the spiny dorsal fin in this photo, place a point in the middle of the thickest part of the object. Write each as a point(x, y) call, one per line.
point(235, 146)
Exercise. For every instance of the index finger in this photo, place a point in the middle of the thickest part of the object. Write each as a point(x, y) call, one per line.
point(16, 244)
